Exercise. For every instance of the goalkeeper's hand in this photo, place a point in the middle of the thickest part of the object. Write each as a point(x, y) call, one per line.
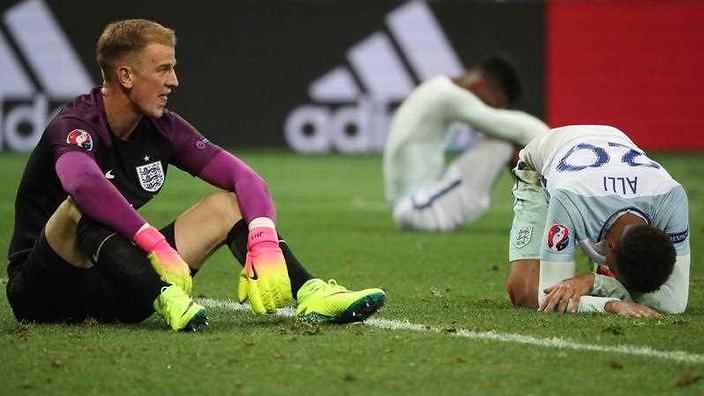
point(264, 279)
point(165, 259)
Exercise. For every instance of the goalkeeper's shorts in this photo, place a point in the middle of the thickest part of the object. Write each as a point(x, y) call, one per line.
point(43, 287)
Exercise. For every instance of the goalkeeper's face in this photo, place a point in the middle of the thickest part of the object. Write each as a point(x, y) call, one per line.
point(153, 78)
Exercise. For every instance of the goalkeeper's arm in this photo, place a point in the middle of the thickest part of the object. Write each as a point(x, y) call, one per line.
point(264, 279)
point(98, 199)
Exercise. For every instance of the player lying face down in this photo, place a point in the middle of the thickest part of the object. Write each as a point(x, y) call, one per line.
point(591, 186)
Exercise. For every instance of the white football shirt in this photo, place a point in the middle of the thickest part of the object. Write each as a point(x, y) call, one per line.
point(591, 175)
point(414, 155)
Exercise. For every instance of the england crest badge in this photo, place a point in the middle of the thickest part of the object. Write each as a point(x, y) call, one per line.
point(523, 236)
point(151, 176)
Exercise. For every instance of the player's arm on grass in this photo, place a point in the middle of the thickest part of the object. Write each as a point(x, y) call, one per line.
point(672, 296)
point(587, 292)
point(558, 288)
point(98, 199)
point(607, 294)
point(630, 308)
point(264, 279)
point(583, 294)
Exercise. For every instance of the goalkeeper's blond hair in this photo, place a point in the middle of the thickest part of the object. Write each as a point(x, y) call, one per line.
point(127, 37)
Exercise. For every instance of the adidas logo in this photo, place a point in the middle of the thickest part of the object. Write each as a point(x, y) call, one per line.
point(353, 105)
point(39, 70)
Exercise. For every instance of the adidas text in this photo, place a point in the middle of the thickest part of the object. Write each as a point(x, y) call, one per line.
point(39, 71)
point(353, 103)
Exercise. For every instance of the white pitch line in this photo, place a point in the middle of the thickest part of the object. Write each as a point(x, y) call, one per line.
point(554, 342)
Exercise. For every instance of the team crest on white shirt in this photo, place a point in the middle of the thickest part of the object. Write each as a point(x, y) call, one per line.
point(151, 176)
point(558, 237)
point(523, 236)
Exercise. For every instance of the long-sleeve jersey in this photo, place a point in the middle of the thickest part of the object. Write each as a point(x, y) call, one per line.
point(591, 175)
point(110, 178)
point(414, 155)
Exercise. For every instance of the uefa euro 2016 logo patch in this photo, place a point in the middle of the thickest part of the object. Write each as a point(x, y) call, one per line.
point(202, 143)
point(80, 138)
point(558, 237)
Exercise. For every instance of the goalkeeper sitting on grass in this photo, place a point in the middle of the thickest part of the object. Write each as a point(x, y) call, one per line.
point(80, 249)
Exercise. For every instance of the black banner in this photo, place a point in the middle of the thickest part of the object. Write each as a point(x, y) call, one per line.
point(315, 76)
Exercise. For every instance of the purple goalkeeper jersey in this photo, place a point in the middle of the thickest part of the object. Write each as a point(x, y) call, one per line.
point(136, 167)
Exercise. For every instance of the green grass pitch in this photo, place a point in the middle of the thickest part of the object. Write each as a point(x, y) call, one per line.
point(332, 213)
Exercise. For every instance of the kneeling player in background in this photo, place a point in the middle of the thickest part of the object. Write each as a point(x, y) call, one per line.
point(598, 190)
point(424, 193)
point(80, 248)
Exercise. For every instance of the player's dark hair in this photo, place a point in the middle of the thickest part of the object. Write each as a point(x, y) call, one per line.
point(121, 38)
point(503, 74)
point(645, 258)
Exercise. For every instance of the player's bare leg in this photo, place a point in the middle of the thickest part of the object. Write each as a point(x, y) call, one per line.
point(61, 233)
point(216, 220)
point(522, 283)
point(119, 283)
point(76, 239)
point(204, 227)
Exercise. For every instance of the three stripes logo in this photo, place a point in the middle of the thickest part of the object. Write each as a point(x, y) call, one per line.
point(352, 104)
point(38, 69)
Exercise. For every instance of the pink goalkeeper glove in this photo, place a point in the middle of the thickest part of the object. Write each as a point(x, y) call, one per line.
point(165, 259)
point(264, 278)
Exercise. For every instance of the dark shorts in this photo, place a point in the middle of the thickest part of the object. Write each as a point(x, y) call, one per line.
point(43, 287)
